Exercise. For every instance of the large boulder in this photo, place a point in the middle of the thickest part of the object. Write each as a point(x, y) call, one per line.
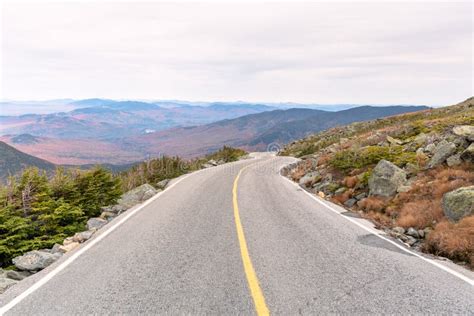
point(468, 154)
point(5, 283)
point(137, 195)
point(442, 151)
point(459, 203)
point(308, 177)
point(386, 178)
point(35, 260)
point(466, 131)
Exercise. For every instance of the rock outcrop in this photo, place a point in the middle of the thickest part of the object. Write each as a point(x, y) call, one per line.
point(459, 203)
point(466, 131)
point(386, 179)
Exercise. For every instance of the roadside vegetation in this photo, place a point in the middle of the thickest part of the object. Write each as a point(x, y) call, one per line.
point(429, 157)
point(39, 209)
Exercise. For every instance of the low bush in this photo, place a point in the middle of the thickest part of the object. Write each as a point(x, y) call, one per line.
point(373, 203)
point(369, 156)
point(36, 212)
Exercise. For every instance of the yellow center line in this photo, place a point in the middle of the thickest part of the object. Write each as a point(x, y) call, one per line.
point(252, 280)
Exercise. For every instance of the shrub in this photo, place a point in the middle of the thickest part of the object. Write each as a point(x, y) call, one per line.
point(420, 214)
point(453, 240)
point(350, 182)
point(373, 203)
point(368, 156)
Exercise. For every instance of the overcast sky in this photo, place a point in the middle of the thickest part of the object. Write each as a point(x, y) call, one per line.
point(301, 52)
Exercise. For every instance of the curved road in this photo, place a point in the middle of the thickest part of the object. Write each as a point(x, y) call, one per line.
point(183, 253)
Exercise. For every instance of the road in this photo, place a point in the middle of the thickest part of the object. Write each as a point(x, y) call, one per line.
point(200, 249)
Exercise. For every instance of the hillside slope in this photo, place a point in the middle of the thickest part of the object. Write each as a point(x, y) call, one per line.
point(12, 161)
point(413, 174)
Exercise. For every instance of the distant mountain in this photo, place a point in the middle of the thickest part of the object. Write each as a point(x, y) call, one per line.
point(255, 131)
point(12, 161)
point(104, 119)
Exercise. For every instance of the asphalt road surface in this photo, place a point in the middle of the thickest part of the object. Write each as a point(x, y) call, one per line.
point(212, 245)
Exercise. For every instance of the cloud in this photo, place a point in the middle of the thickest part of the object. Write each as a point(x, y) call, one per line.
point(302, 52)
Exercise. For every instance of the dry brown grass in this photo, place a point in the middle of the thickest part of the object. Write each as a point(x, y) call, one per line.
point(350, 182)
point(341, 198)
point(453, 240)
point(421, 206)
point(420, 214)
point(373, 204)
point(323, 159)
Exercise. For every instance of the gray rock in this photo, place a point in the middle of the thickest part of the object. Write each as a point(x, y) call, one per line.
point(420, 139)
point(56, 249)
point(454, 160)
point(394, 141)
point(108, 216)
point(442, 151)
point(413, 232)
point(308, 177)
point(386, 178)
point(95, 223)
point(466, 131)
point(163, 183)
point(360, 196)
point(468, 154)
point(411, 240)
point(35, 260)
point(137, 195)
point(340, 190)
point(398, 230)
point(5, 283)
point(207, 165)
point(212, 162)
point(459, 203)
point(17, 275)
point(82, 236)
point(430, 148)
point(403, 188)
point(421, 233)
point(350, 202)
point(116, 209)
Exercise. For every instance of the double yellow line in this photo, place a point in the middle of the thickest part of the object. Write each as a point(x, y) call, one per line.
point(252, 279)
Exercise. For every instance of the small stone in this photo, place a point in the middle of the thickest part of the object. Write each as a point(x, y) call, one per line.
point(468, 154)
point(5, 283)
point(67, 241)
point(95, 223)
point(454, 160)
point(403, 188)
point(350, 202)
point(399, 230)
point(421, 233)
point(427, 230)
point(17, 275)
point(430, 148)
point(410, 241)
point(68, 247)
point(56, 249)
point(321, 194)
point(412, 232)
point(361, 196)
point(107, 215)
point(394, 141)
point(163, 183)
point(340, 191)
point(82, 236)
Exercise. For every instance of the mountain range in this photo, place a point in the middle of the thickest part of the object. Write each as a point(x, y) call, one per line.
point(120, 132)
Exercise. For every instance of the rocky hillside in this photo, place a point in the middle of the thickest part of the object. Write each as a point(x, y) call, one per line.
point(412, 174)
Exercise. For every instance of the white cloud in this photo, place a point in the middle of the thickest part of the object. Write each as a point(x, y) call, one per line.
point(302, 52)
